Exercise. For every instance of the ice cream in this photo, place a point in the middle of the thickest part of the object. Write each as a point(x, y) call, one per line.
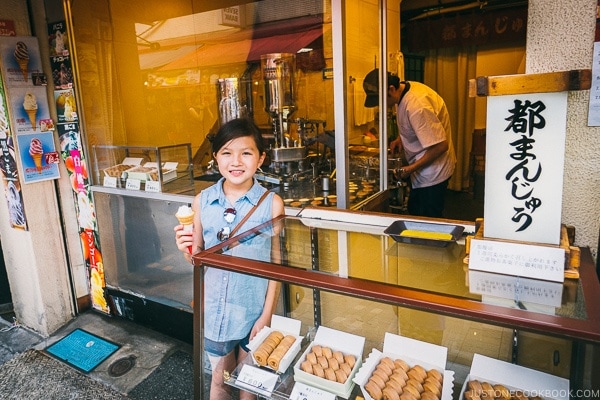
point(185, 215)
point(31, 107)
point(22, 57)
point(36, 151)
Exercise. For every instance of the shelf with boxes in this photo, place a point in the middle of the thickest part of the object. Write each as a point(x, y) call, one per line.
point(342, 272)
point(159, 169)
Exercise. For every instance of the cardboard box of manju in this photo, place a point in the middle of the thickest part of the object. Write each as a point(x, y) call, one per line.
point(337, 341)
point(413, 352)
point(287, 326)
point(504, 376)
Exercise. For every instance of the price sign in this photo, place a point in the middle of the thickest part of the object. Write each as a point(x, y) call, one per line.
point(110, 181)
point(152, 186)
point(305, 392)
point(256, 380)
point(133, 184)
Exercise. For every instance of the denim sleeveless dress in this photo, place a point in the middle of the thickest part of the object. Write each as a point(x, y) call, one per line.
point(232, 301)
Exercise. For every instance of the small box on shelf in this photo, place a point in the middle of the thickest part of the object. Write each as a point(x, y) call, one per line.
point(501, 376)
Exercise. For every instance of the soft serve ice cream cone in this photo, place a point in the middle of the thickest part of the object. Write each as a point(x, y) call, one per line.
point(22, 56)
point(36, 152)
point(185, 215)
point(31, 107)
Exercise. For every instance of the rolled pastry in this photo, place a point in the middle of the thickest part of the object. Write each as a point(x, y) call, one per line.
point(261, 356)
point(274, 360)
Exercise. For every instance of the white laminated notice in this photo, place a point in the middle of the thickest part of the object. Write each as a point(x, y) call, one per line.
point(257, 380)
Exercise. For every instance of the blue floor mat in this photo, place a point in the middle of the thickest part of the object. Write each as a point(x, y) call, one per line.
point(82, 350)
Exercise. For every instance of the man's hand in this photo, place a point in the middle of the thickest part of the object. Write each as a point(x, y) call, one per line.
point(396, 145)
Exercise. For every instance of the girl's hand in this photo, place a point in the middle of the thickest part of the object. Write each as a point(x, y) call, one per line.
point(259, 324)
point(183, 239)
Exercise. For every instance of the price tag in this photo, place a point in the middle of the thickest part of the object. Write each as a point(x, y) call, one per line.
point(133, 184)
point(305, 392)
point(152, 186)
point(110, 181)
point(257, 380)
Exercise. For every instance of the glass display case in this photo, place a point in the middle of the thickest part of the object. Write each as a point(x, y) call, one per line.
point(340, 270)
point(160, 169)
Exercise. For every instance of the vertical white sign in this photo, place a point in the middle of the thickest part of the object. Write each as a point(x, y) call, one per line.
point(594, 108)
point(525, 143)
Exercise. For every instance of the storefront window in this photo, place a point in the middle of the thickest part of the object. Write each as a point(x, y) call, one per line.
point(152, 75)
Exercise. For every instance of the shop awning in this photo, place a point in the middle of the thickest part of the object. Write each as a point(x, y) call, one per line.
point(246, 50)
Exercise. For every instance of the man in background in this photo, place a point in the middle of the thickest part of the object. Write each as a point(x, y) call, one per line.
point(425, 136)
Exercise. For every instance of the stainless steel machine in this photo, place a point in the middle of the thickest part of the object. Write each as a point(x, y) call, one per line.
point(291, 158)
point(300, 149)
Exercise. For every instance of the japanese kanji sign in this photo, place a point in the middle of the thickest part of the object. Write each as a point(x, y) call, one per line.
point(524, 166)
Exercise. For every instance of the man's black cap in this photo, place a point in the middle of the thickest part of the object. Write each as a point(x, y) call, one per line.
point(371, 87)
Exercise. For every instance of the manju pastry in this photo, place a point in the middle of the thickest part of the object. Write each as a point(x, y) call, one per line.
point(329, 364)
point(397, 380)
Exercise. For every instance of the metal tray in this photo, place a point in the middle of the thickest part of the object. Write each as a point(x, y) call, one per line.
point(397, 227)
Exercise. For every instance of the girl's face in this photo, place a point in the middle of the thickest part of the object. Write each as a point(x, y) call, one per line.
point(239, 159)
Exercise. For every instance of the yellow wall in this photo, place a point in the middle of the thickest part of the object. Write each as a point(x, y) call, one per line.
point(496, 61)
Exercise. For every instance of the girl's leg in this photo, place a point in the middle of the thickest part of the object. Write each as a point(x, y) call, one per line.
point(218, 389)
point(243, 394)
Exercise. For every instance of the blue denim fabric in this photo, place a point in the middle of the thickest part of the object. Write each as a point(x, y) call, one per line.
point(232, 301)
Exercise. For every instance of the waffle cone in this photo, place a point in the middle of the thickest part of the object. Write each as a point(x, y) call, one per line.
point(23, 65)
point(37, 159)
point(187, 220)
point(32, 118)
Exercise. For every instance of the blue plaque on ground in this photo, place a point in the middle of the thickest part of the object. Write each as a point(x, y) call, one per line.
point(82, 350)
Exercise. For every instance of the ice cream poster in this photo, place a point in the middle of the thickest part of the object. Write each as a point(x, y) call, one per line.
point(62, 72)
point(20, 58)
point(66, 109)
point(29, 109)
point(58, 39)
point(12, 187)
point(38, 155)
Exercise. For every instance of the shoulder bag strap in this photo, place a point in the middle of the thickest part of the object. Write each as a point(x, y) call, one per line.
point(239, 225)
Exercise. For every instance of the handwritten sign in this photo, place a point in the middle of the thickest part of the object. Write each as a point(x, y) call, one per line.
point(133, 184)
point(305, 392)
point(257, 380)
point(518, 259)
point(524, 169)
point(110, 181)
point(152, 186)
point(516, 288)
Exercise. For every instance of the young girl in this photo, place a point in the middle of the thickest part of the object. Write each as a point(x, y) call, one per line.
point(236, 306)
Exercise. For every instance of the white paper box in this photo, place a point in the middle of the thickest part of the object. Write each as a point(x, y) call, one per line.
point(345, 342)
point(413, 352)
point(516, 377)
point(286, 326)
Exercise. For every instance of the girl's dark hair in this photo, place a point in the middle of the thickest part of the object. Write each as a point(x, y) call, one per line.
point(236, 128)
